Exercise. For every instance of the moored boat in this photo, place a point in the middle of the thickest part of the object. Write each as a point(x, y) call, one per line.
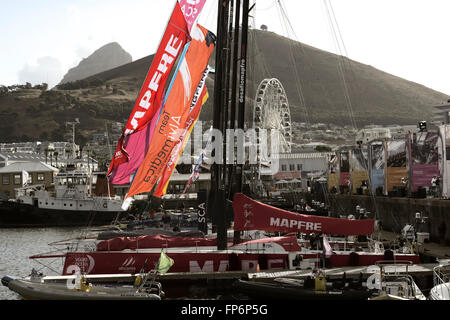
point(316, 288)
point(391, 281)
point(441, 281)
point(125, 255)
point(34, 290)
point(72, 203)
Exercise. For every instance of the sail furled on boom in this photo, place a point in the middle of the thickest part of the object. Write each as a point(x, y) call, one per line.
point(250, 214)
point(174, 115)
point(135, 140)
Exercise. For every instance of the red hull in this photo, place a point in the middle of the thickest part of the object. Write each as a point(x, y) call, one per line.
point(132, 262)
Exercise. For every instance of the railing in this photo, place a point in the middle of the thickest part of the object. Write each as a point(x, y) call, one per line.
point(398, 276)
point(394, 263)
point(441, 281)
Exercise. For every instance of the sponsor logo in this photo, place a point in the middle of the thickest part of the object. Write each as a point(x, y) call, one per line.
point(171, 50)
point(291, 223)
point(247, 214)
point(84, 264)
point(128, 265)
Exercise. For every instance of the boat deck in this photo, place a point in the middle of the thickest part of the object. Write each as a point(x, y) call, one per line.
point(332, 273)
point(351, 272)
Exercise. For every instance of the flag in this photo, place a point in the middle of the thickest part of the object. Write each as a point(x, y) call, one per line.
point(189, 73)
point(327, 251)
point(195, 173)
point(135, 140)
point(177, 151)
point(151, 93)
point(191, 10)
point(164, 263)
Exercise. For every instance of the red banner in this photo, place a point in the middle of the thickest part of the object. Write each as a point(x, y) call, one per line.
point(151, 93)
point(253, 215)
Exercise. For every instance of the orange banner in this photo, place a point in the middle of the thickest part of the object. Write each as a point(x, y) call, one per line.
point(161, 189)
point(176, 110)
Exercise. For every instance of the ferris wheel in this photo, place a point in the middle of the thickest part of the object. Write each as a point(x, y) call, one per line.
point(271, 112)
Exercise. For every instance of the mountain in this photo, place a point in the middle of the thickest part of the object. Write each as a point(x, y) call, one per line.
point(311, 77)
point(374, 96)
point(107, 57)
point(316, 90)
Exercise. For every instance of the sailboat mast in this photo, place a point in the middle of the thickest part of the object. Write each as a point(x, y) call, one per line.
point(233, 101)
point(242, 84)
point(217, 193)
point(221, 104)
point(227, 103)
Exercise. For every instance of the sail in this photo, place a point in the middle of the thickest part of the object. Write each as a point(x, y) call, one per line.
point(161, 189)
point(175, 112)
point(253, 215)
point(134, 142)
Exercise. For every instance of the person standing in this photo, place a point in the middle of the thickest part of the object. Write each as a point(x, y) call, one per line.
point(166, 220)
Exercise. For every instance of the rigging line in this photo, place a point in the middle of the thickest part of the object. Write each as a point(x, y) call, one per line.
point(298, 82)
point(266, 72)
point(343, 59)
point(211, 16)
point(262, 61)
point(340, 65)
point(339, 59)
point(269, 7)
point(253, 41)
point(306, 56)
point(346, 59)
point(252, 58)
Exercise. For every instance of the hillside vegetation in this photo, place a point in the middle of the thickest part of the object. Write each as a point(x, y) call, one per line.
point(375, 96)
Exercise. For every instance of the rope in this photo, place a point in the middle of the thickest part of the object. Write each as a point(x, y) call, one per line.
point(340, 57)
point(298, 83)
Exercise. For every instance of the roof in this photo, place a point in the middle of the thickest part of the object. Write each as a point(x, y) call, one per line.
point(33, 156)
point(302, 155)
point(32, 166)
point(283, 175)
point(177, 177)
point(23, 156)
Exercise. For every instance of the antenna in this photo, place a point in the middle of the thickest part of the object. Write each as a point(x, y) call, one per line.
point(73, 124)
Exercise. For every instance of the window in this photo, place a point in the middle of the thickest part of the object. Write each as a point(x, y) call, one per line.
point(283, 167)
point(299, 167)
point(17, 179)
point(291, 167)
point(40, 177)
point(5, 179)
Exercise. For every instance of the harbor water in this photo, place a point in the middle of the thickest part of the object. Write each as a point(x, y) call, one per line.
point(17, 245)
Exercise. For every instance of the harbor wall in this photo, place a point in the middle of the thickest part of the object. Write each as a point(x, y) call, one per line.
point(395, 213)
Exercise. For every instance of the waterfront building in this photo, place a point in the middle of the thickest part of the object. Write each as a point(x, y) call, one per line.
point(19, 174)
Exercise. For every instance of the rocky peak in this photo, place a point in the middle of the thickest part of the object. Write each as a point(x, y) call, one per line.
point(109, 56)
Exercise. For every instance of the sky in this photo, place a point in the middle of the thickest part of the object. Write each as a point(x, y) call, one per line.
point(41, 40)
